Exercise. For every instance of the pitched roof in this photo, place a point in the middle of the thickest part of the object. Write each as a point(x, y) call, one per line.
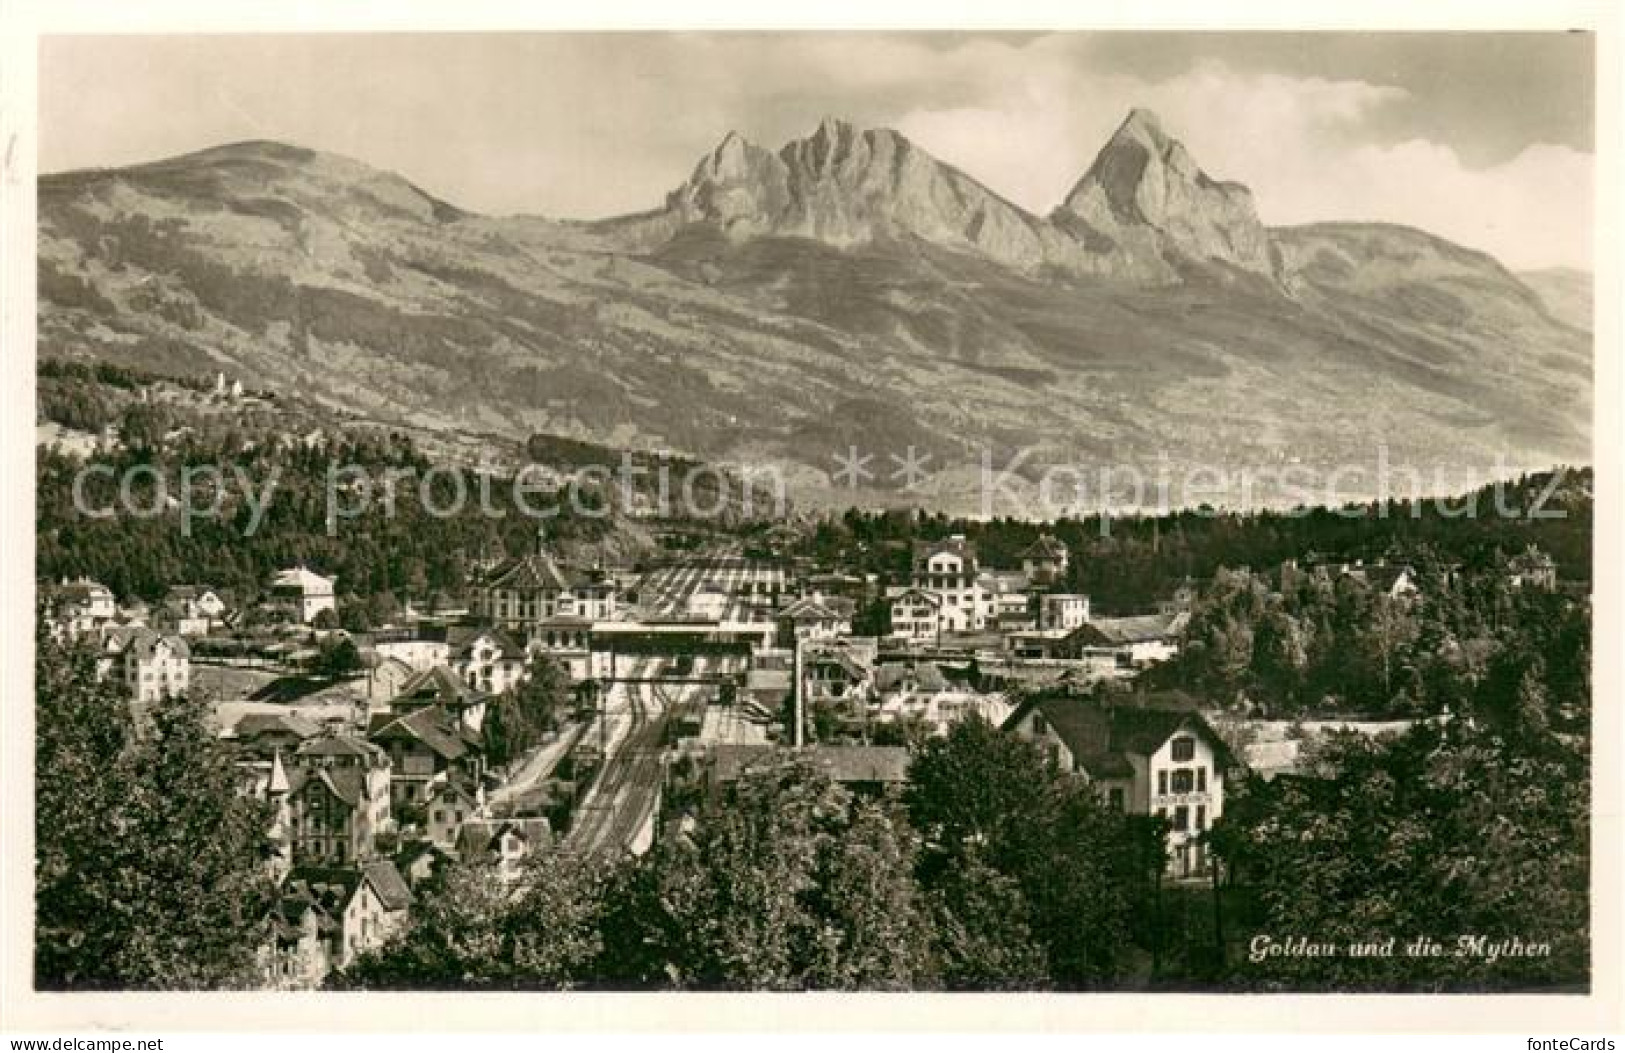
point(253, 725)
point(477, 836)
point(347, 784)
point(533, 572)
point(83, 589)
point(890, 676)
point(854, 666)
point(1102, 738)
point(815, 608)
point(387, 882)
point(338, 746)
point(1383, 577)
point(1046, 547)
point(430, 725)
point(145, 645)
point(1138, 628)
point(958, 546)
point(463, 640)
point(438, 685)
point(329, 888)
point(302, 578)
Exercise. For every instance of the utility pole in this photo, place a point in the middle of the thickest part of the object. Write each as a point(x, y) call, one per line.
point(798, 693)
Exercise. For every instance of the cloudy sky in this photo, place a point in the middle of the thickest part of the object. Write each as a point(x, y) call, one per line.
point(1483, 138)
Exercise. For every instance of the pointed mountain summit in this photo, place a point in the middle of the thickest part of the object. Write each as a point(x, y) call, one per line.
point(1142, 213)
point(844, 186)
point(1146, 191)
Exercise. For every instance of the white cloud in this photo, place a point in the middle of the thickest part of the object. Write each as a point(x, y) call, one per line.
point(1303, 145)
point(597, 125)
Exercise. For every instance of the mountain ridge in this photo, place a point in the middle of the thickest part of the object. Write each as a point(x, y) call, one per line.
point(783, 305)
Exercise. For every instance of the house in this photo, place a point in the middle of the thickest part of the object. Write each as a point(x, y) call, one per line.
point(425, 743)
point(297, 953)
point(1062, 610)
point(386, 678)
point(1045, 560)
point(916, 616)
point(441, 686)
point(267, 734)
point(489, 660)
point(420, 862)
point(338, 799)
point(150, 666)
point(1397, 581)
point(567, 641)
point(503, 843)
point(1146, 760)
point(814, 618)
point(521, 594)
point(81, 607)
point(301, 594)
point(365, 904)
point(450, 804)
point(191, 610)
point(1134, 641)
point(1532, 569)
point(948, 570)
point(835, 671)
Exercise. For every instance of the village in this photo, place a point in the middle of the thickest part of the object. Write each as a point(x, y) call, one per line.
point(667, 681)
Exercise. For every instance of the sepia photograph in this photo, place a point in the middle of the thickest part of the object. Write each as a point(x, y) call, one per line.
point(930, 512)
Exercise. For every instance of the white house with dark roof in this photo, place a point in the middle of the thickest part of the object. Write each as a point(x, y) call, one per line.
point(523, 593)
point(814, 618)
point(490, 660)
point(302, 593)
point(1045, 560)
point(192, 610)
point(916, 615)
point(338, 799)
point(1163, 760)
point(1134, 641)
point(949, 571)
point(81, 607)
point(149, 665)
point(362, 905)
point(426, 744)
point(503, 843)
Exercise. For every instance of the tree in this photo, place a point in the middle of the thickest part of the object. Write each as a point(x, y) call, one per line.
point(1440, 833)
point(476, 932)
point(985, 798)
point(149, 859)
point(984, 939)
point(337, 655)
point(793, 885)
point(519, 718)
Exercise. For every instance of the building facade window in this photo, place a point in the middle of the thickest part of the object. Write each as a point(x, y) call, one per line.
point(1184, 748)
point(1182, 818)
point(1162, 782)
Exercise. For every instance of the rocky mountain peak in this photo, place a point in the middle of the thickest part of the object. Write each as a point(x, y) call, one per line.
point(1145, 178)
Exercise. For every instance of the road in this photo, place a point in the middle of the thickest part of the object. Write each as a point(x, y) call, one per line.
point(536, 767)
